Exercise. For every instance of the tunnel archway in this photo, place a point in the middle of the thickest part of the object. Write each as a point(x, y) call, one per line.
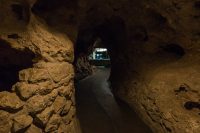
point(154, 60)
point(95, 93)
point(112, 33)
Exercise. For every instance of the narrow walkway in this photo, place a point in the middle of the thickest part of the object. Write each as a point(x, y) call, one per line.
point(98, 112)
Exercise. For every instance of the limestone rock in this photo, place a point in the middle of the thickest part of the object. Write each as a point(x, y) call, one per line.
point(46, 87)
point(31, 42)
point(10, 101)
point(59, 104)
point(59, 71)
point(53, 123)
point(67, 107)
point(33, 129)
point(69, 128)
point(5, 122)
point(83, 67)
point(67, 80)
point(68, 118)
point(34, 75)
point(21, 122)
point(73, 99)
point(38, 103)
point(63, 128)
point(65, 91)
point(25, 90)
point(44, 116)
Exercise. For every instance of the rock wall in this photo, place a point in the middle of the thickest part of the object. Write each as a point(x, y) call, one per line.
point(154, 49)
point(83, 68)
point(37, 89)
point(157, 72)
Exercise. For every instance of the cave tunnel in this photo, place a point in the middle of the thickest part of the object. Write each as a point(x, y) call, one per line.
point(99, 66)
point(97, 54)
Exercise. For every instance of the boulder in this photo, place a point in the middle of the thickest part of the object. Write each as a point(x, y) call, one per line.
point(21, 122)
point(5, 122)
point(59, 71)
point(34, 75)
point(46, 87)
point(10, 102)
point(25, 90)
point(59, 104)
point(53, 123)
point(42, 118)
point(38, 103)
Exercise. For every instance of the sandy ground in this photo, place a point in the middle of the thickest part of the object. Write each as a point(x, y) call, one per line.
point(99, 112)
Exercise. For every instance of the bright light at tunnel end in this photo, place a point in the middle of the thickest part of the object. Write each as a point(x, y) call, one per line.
point(101, 49)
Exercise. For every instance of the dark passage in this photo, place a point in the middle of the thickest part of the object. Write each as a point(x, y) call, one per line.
point(11, 62)
point(98, 110)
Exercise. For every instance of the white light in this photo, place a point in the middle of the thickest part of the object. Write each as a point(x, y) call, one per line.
point(101, 49)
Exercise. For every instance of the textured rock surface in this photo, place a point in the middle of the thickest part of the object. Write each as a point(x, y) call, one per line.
point(53, 123)
point(21, 122)
point(25, 90)
point(10, 101)
point(5, 122)
point(44, 116)
point(35, 63)
point(154, 47)
point(33, 129)
point(83, 67)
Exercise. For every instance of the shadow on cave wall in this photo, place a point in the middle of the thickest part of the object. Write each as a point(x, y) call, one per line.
point(11, 62)
point(49, 5)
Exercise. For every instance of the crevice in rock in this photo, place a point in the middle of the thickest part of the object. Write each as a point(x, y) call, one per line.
point(11, 62)
point(38, 123)
point(191, 105)
point(167, 128)
point(11, 110)
point(174, 49)
point(182, 88)
point(14, 36)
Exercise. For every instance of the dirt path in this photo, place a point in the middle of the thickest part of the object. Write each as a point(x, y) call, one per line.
point(98, 110)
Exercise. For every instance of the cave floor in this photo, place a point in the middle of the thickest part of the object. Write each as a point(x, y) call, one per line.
point(99, 112)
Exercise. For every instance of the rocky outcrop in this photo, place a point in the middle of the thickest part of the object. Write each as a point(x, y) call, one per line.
point(43, 78)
